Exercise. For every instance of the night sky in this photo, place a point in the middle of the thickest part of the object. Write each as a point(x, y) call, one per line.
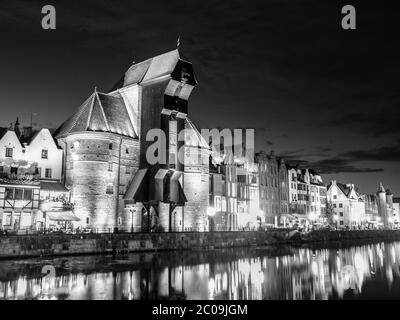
point(315, 93)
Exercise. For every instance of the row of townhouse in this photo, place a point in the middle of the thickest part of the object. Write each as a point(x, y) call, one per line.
point(265, 192)
point(353, 209)
point(30, 179)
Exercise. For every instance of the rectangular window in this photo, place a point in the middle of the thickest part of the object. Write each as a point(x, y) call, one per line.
point(1, 169)
point(341, 223)
point(27, 194)
point(9, 152)
point(45, 154)
point(110, 167)
point(110, 146)
point(7, 218)
point(334, 205)
point(127, 170)
point(340, 205)
point(19, 194)
point(48, 173)
point(110, 189)
point(334, 197)
point(9, 194)
point(341, 214)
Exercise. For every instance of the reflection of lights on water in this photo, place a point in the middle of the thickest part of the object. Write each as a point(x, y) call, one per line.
point(211, 288)
point(314, 268)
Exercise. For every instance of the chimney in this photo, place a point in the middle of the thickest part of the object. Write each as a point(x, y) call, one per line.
point(16, 128)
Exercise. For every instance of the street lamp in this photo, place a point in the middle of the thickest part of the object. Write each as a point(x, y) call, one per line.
point(211, 214)
point(132, 211)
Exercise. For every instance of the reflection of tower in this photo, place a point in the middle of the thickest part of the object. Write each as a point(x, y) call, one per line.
point(382, 208)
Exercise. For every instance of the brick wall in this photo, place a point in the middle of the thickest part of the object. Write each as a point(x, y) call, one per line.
point(93, 163)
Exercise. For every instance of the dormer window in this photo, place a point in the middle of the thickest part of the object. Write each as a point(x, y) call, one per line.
point(45, 154)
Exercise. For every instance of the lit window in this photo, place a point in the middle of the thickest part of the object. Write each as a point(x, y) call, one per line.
point(9, 152)
point(110, 189)
point(45, 154)
point(9, 194)
point(47, 173)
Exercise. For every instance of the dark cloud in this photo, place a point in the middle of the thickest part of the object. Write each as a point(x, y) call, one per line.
point(339, 165)
point(391, 154)
point(375, 122)
point(283, 67)
point(269, 143)
point(346, 161)
point(332, 165)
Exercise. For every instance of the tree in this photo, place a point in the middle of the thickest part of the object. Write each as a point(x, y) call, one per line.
point(329, 213)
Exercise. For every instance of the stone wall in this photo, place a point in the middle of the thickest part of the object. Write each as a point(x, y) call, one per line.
point(53, 245)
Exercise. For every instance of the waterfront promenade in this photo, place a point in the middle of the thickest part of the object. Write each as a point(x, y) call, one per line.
point(20, 246)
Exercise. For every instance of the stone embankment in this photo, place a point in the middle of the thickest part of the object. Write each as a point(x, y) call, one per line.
point(18, 246)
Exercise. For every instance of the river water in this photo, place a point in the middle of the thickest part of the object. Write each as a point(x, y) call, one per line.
point(339, 272)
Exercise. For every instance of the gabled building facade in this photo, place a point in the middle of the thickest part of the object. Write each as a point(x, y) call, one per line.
point(27, 160)
point(348, 205)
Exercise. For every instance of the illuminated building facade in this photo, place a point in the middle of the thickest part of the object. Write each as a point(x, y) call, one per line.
point(30, 170)
point(348, 205)
point(114, 185)
point(307, 193)
point(269, 187)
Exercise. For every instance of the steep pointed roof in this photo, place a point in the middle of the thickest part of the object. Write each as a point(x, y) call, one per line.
point(102, 113)
point(150, 69)
point(3, 131)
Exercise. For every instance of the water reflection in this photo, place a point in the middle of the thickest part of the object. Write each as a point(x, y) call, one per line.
point(369, 271)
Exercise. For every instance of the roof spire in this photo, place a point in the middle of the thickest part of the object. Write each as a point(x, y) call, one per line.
point(381, 188)
point(178, 42)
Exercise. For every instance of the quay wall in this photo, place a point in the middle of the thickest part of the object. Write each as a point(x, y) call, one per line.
point(18, 246)
point(55, 244)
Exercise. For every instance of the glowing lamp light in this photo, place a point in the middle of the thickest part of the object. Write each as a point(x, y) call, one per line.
point(211, 211)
